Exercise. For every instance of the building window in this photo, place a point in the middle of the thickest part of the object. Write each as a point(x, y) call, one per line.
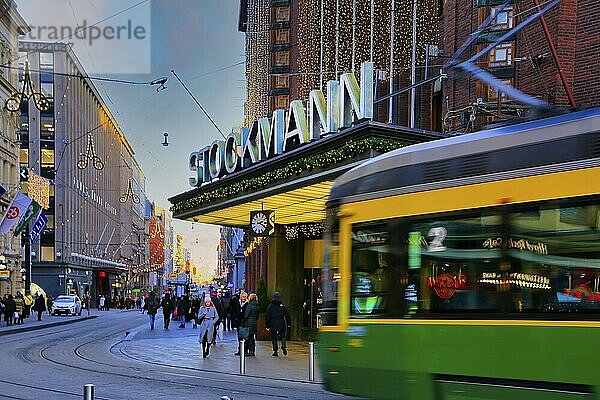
point(280, 82)
point(503, 19)
point(501, 55)
point(282, 102)
point(492, 94)
point(282, 36)
point(25, 157)
point(282, 58)
point(47, 253)
point(47, 158)
point(282, 14)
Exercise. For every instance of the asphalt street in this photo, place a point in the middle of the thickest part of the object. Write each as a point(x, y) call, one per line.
point(54, 363)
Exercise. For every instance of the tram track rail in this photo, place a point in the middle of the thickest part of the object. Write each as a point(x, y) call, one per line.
point(217, 383)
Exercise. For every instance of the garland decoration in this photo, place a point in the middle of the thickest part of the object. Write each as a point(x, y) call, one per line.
point(349, 150)
point(307, 231)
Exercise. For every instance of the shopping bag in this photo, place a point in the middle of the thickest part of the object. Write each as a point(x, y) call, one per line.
point(244, 332)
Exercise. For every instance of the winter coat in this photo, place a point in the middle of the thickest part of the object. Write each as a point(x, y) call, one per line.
point(153, 305)
point(10, 306)
point(277, 318)
point(40, 303)
point(207, 322)
point(182, 308)
point(234, 303)
point(250, 315)
point(19, 303)
point(167, 305)
point(215, 300)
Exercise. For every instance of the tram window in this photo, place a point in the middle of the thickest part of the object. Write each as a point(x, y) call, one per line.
point(557, 258)
point(450, 262)
point(371, 270)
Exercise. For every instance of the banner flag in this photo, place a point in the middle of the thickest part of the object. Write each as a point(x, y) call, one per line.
point(30, 214)
point(17, 207)
point(38, 227)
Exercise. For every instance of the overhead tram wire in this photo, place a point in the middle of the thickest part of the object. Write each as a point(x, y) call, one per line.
point(159, 81)
point(198, 103)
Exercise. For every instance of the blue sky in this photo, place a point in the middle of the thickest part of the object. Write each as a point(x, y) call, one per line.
point(191, 36)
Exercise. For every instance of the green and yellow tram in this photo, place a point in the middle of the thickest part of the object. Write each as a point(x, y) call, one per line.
point(468, 268)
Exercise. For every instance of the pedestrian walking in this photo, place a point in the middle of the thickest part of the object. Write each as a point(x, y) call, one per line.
point(277, 322)
point(40, 306)
point(182, 310)
point(226, 311)
point(239, 317)
point(19, 309)
point(214, 297)
point(249, 321)
point(168, 306)
point(49, 304)
point(153, 306)
point(195, 308)
point(10, 308)
point(102, 302)
point(207, 317)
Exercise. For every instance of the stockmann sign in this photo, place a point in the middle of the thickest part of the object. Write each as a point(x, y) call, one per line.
point(346, 101)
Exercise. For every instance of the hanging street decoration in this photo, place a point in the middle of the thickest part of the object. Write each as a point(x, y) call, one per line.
point(38, 189)
point(307, 231)
point(90, 155)
point(13, 103)
point(134, 197)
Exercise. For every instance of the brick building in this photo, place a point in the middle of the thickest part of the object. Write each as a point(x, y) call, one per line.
point(525, 62)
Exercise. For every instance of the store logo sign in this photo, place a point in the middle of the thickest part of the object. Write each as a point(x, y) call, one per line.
point(346, 102)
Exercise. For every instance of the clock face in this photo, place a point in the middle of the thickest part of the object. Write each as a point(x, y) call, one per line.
point(259, 222)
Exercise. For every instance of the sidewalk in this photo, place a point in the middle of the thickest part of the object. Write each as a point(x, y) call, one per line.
point(31, 323)
point(180, 347)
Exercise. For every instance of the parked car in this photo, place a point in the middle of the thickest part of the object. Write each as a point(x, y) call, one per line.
point(69, 305)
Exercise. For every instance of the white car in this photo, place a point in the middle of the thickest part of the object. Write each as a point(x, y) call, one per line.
point(69, 305)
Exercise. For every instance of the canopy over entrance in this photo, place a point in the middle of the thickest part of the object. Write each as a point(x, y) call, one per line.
point(295, 185)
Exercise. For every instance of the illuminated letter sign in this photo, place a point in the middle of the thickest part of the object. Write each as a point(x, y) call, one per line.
point(346, 102)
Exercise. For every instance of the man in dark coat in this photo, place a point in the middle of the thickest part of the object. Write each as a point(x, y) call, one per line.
point(168, 306)
point(241, 306)
point(250, 319)
point(182, 309)
point(277, 321)
point(219, 307)
point(40, 306)
point(153, 306)
point(10, 307)
point(235, 309)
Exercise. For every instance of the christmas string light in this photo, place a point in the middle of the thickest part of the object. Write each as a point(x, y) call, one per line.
point(90, 155)
point(134, 197)
point(308, 231)
point(349, 150)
